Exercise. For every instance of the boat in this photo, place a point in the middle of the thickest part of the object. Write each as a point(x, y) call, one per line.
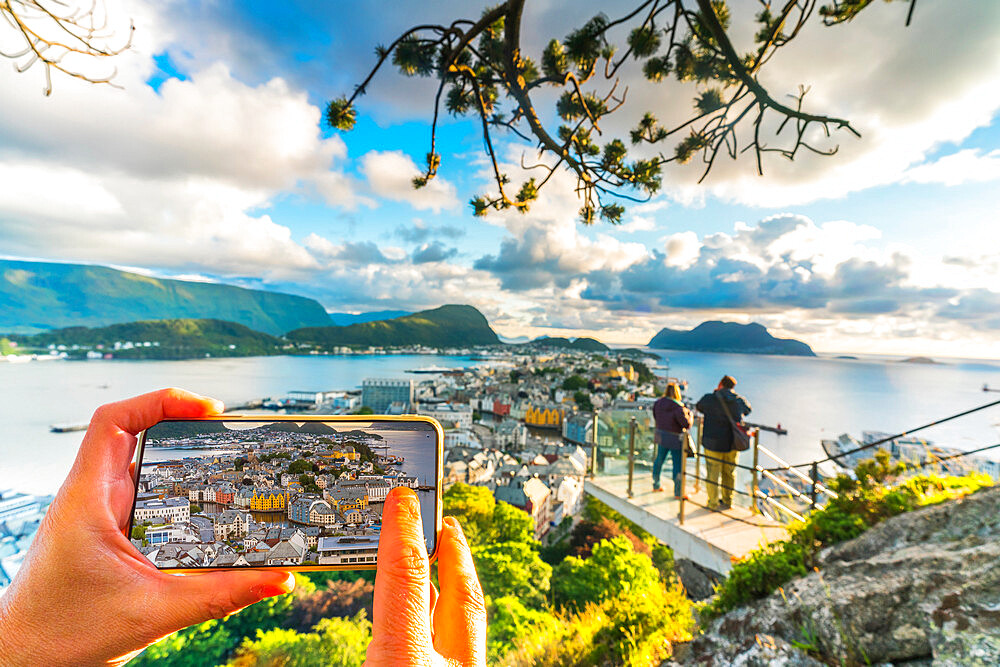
point(434, 369)
point(67, 428)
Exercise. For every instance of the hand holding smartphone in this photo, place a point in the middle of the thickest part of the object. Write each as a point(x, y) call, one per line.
point(291, 492)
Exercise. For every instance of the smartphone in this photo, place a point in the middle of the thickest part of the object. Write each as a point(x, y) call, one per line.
point(291, 492)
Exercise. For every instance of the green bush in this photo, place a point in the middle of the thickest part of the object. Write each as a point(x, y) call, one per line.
point(334, 641)
point(209, 643)
point(510, 622)
point(873, 495)
point(637, 626)
point(612, 569)
point(513, 569)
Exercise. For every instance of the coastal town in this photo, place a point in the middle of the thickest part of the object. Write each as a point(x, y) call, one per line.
point(276, 492)
point(521, 423)
point(287, 493)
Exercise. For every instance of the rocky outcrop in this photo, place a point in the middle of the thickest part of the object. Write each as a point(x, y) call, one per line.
point(920, 588)
point(699, 582)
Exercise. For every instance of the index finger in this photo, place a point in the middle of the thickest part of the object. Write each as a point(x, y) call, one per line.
point(401, 632)
point(137, 414)
point(111, 422)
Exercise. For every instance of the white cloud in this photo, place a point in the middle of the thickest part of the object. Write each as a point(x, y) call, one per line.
point(390, 174)
point(682, 248)
point(966, 166)
point(177, 178)
point(638, 224)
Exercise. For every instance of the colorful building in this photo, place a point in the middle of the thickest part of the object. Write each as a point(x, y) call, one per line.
point(544, 417)
point(269, 500)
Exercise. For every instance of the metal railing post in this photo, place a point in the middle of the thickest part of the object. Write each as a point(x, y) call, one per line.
point(631, 452)
point(593, 450)
point(814, 477)
point(753, 483)
point(697, 455)
point(684, 446)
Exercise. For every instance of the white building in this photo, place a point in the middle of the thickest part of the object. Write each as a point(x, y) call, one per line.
point(347, 550)
point(461, 437)
point(231, 523)
point(451, 415)
point(173, 510)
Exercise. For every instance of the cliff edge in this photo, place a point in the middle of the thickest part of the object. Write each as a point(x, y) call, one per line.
point(922, 588)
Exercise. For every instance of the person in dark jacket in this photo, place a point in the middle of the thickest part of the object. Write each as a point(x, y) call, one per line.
point(672, 422)
point(717, 439)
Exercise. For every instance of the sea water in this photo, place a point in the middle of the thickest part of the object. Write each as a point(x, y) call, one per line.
point(814, 398)
point(35, 395)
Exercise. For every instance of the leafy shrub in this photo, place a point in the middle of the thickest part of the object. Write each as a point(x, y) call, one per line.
point(485, 520)
point(586, 534)
point(635, 627)
point(510, 622)
point(762, 572)
point(513, 568)
point(334, 641)
point(612, 569)
point(873, 495)
point(340, 598)
point(209, 643)
point(642, 625)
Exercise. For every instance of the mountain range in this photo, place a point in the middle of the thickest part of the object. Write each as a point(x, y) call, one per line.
point(36, 296)
point(715, 336)
point(91, 306)
point(344, 319)
point(447, 326)
point(174, 339)
point(583, 344)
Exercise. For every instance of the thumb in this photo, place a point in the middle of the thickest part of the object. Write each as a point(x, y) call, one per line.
point(189, 599)
point(401, 632)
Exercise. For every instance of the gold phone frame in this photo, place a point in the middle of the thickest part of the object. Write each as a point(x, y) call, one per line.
point(438, 466)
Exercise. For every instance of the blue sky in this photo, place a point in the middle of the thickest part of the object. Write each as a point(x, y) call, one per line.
point(211, 163)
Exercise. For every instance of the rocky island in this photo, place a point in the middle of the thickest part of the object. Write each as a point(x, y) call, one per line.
point(715, 336)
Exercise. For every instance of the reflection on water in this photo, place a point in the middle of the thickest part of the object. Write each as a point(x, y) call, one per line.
point(272, 518)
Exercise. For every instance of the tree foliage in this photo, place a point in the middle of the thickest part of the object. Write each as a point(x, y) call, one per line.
point(483, 71)
point(612, 568)
point(300, 466)
point(334, 641)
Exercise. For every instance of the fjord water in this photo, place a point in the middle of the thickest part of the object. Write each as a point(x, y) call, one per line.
point(822, 397)
point(36, 394)
point(813, 398)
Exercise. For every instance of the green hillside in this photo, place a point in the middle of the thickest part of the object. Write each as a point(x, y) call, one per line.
point(37, 296)
point(583, 344)
point(168, 339)
point(447, 326)
point(717, 336)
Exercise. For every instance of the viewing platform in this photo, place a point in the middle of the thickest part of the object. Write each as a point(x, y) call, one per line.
point(714, 540)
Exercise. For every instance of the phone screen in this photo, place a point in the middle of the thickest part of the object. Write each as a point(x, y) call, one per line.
point(291, 492)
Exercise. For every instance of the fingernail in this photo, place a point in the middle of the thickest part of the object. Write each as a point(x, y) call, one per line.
point(218, 406)
point(277, 588)
point(457, 527)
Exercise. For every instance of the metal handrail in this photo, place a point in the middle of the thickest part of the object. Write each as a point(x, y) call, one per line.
point(795, 515)
point(787, 466)
point(783, 484)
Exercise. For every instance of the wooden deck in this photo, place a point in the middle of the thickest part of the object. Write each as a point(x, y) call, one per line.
point(712, 539)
